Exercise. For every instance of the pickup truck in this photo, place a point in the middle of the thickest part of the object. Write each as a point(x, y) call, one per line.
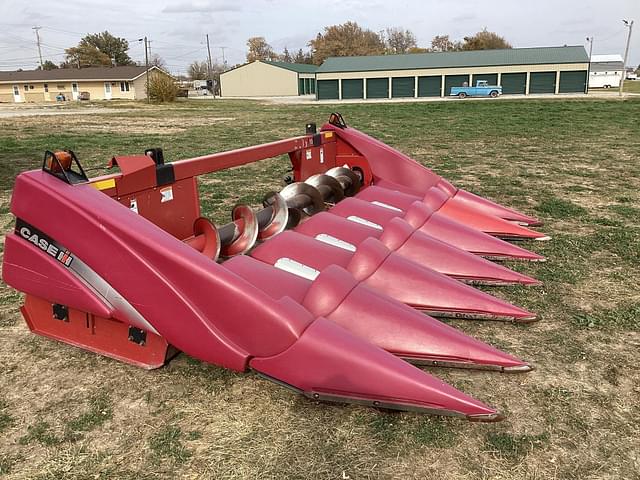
point(482, 89)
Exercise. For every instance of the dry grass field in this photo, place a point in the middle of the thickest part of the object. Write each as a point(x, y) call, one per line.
point(70, 414)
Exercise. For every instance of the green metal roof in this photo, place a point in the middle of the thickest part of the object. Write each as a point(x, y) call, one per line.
point(471, 58)
point(295, 67)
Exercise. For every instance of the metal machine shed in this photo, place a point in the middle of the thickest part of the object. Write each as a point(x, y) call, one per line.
point(518, 70)
point(264, 78)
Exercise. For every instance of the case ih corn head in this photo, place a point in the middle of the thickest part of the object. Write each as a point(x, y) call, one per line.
point(330, 289)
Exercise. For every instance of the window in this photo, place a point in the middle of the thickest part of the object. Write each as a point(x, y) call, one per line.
point(26, 88)
point(46, 87)
point(124, 86)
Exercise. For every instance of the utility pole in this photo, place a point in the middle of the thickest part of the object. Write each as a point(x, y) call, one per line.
point(213, 88)
point(224, 61)
point(146, 63)
point(37, 30)
point(590, 40)
point(629, 25)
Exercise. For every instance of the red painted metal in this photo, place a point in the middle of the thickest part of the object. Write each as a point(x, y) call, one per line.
point(374, 317)
point(439, 202)
point(212, 314)
point(105, 336)
point(136, 290)
point(402, 238)
point(389, 167)
point(421, 218)
point(374, 265)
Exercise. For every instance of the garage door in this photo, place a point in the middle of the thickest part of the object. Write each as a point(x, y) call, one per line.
point(491, 78)
point(542, 82)
point(574, 81)
point(377, 88)
point(301, 86)
point(454, 81)
point(403, 87)
point(353, 88)
point(429, 86)
point(513, 83)
point(327, 89)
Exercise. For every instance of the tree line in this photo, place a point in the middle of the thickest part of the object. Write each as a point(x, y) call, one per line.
point(349, 39)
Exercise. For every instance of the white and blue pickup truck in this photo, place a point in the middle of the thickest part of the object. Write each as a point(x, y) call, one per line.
point(482, 89)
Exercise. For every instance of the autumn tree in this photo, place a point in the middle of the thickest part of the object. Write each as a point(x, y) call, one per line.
point(417, 50)
point(442, 43)
point(399, 40)
point(259, 49)
point(485, 40)
point(99, 49)
point(345, 40)
point(198, 70)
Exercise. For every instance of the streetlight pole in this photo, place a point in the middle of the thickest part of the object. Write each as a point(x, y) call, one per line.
point(629, 25)
point(146, 63)
point(590, 40)
point(209, 76)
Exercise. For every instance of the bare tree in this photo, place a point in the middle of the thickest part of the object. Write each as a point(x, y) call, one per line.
point(198, 70)
point(442, 43)
point(399, 40)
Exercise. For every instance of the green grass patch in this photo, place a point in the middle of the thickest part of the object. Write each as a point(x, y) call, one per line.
point(511, 446)
point(167, 444)
point(625, 317)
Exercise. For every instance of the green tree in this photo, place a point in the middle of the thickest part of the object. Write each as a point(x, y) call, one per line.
point(399, 40)
point(303, 57)
point(345, 40)
point(48, 65)
point(99, 49)
point(485, 40)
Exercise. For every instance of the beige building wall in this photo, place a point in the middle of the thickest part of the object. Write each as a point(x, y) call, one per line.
point(140, 87)
point(259, 79)
point(96, 89)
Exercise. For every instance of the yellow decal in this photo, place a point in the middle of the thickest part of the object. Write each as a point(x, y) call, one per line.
point(328, 134)
point(105, 184)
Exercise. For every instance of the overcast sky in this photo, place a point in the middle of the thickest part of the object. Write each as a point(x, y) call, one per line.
point(177, 29)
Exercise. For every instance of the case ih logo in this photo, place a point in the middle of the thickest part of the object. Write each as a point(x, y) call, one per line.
point(44, 243)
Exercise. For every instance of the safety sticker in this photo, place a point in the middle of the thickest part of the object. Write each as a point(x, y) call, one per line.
point(308, 154)
point(166, 194)
point(133, 205)
point(336, 242)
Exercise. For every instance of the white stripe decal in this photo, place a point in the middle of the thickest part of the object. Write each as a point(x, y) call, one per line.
point(297, 268)
point(362, 221)
point(387, 206)
point(336, 242)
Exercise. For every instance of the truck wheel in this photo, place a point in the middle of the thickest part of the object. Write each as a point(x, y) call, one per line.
point(493, 94)
point(607, 86)
point(462, 95)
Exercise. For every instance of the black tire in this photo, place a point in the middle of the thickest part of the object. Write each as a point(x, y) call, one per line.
point(607, 86)
point(493, 94)
point(462, 95)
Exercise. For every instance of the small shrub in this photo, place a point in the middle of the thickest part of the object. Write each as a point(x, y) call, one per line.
point(162, 88)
